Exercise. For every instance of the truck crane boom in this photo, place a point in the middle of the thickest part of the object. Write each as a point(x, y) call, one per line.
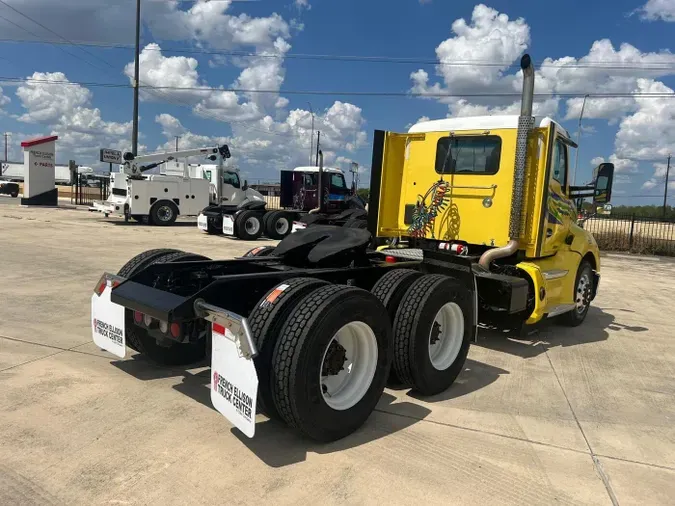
point(134, 166)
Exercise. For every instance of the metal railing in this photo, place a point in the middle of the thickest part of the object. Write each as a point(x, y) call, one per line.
point(633, 234)
point(88, 188)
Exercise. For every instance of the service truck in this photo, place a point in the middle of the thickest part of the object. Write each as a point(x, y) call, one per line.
point(308, 333)
point(180, 189)
point(308, 196)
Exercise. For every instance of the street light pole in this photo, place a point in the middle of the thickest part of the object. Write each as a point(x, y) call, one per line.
point(665, 193)
point(311, 140)
point(134, 134)
point(576, 162)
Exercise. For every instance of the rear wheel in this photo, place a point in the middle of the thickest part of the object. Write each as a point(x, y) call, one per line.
point(138, 338)
point(331, 362)
point(164, 213)
point(266, 321)
point(248, 225)
point(432, 333)
point(278, 225)
point(583, 290)
point(389, 290)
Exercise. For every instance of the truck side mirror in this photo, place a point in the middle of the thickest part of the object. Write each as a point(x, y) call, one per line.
point(602, 185)
point(245, 187)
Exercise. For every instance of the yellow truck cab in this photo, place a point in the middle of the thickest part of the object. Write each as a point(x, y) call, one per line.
point(493, 193)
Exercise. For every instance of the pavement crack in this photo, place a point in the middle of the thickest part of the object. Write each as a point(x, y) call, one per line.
point(72, 349)
point(596, 462)
point(481, 431)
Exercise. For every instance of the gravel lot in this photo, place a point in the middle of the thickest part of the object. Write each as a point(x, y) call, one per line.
point(572, 416)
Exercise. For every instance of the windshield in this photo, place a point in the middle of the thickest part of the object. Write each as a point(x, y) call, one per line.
point(231, 178)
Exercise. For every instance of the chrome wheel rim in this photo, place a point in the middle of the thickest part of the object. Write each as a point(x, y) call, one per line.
point(582, 297)
point(165, 213)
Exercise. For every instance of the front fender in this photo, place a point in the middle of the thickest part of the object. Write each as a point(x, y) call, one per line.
point(584, 244)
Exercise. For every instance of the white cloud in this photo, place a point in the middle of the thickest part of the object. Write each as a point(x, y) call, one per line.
point(659, 9)
point(498, 40)
point(620, 164)
point(266, 144)
point(659, 177)
point(302, 4)
point(649, 133)
point(64, 108)
point(4, 100)
point(181, 72)
point(172, 127)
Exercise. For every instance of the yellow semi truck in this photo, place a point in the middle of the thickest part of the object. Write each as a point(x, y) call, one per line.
point(481, 224)
point(497, 190)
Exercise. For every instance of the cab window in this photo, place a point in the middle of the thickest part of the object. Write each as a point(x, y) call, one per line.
point(310, 180)
point(559, 164)
point(337, 181)
point(207, 175)
point(231, 178)
point(470, 154)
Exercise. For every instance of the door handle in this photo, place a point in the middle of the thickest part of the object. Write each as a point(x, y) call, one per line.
point(549, 232)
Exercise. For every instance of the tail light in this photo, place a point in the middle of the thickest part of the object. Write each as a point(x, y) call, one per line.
point(176, 330)
point(138, 317)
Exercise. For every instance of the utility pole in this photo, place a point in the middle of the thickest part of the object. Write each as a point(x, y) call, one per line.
point(665, 192)
point(134, 135)
point(177, 137)
point(318, 143)
point(576, 162)
point(311, 139)
point(6, 134)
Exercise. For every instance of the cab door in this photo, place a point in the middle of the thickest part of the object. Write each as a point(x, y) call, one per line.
point(558, 210)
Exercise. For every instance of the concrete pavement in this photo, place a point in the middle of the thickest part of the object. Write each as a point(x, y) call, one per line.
point(573, 416)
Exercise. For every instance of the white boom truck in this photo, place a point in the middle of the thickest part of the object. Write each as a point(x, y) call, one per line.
point(184, 189)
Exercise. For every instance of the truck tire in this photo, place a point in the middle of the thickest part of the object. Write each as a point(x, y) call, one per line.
point(134, 266)
point(265, 321)
point(278, 225)
point(265, 221)
point(163, 213)
point(389, 290)
point(260, 251)
point(583, 288)
point(432, 333)
point(328, 328)
point(248, 225)
point(138, 338)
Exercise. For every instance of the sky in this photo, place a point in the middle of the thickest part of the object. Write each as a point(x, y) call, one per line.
point(238, 72)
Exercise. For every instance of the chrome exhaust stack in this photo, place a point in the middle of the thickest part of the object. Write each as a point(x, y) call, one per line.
point(525, 126)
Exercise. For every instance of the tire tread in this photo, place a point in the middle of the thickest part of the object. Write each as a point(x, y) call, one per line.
point(404, 338)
